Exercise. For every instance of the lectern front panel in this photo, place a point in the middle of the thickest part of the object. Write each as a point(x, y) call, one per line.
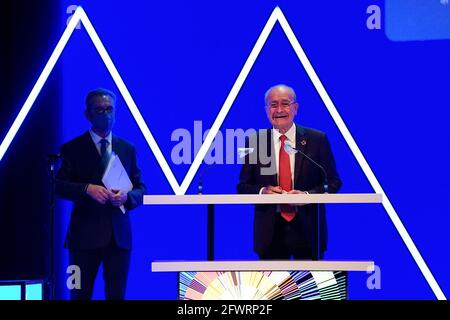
point(263, 285)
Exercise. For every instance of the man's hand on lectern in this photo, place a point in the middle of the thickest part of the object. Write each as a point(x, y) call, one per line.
point(297, 192)
point(272, 190)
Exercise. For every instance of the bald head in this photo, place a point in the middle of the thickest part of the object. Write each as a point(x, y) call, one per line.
point(280, 88)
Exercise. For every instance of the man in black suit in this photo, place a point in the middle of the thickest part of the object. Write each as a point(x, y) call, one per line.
point(99, 231)
point(285, 231)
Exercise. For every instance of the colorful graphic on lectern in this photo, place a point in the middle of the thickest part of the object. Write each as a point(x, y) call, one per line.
point(263, 285)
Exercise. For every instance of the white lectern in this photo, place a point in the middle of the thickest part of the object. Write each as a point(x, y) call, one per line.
point(307, 280)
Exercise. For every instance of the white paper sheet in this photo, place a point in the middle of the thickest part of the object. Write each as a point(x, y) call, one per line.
point(116, 177)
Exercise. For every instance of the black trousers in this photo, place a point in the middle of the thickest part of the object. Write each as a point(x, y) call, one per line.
point(288, 242)
point(116, 263)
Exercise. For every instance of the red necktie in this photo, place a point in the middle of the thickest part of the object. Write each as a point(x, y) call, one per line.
point(285, 177)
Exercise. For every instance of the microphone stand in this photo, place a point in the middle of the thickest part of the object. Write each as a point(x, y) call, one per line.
point(210, 222)
point(51, 161)
point(316, 252)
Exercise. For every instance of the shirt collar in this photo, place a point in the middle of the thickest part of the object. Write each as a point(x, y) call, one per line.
point(96, 138)
point(290, 134)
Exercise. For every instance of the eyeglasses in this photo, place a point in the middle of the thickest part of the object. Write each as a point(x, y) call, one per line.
point(283, 103)
point(100, 110)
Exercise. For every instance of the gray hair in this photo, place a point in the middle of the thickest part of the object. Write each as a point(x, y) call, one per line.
point(279, 86)
point(99, 92)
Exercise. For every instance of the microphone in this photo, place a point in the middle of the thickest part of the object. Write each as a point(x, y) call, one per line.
point(291, 150)
point(53, 156)
point(243, 152)
point(200, 183)
point(200, 180)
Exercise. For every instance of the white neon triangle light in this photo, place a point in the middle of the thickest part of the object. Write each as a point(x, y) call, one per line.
point(276, 16)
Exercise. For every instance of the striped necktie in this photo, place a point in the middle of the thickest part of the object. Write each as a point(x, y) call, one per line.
point(104, 154)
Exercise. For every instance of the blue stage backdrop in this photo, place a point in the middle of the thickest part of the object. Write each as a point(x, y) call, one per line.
point(179, 60)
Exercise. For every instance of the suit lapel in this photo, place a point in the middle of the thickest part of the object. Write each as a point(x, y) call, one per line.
point(118, 149)
point(301, 143)
point(91, 149)
point(91, 157)
point(115, 145)
point(267, 157)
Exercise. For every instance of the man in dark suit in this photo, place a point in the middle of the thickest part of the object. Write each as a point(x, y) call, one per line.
point(99, 231)
point(285, 231)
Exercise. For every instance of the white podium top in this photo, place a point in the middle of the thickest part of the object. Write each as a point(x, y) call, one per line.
point(264, 199)
point(268, 265)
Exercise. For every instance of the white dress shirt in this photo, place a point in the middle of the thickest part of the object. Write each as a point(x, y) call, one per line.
point(290, 139)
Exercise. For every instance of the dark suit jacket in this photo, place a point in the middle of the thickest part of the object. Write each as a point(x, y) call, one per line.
point(93, 224)
point(307, 177)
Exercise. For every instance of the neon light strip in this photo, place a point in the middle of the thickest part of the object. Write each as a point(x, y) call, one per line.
point(39, 83)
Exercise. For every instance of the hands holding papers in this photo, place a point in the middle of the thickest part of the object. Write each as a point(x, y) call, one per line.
point(116, 180)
